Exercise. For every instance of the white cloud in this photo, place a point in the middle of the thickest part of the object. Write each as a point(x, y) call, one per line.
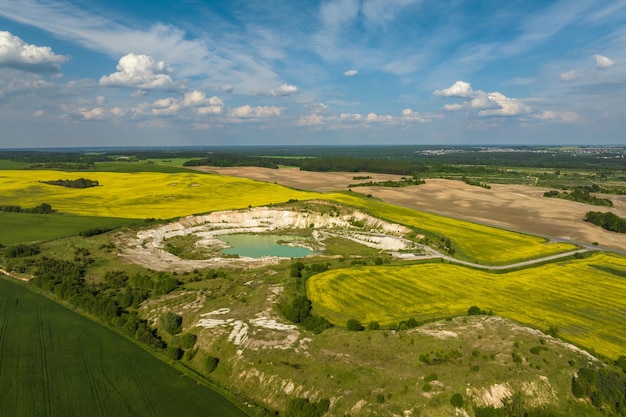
point(140, 71)
point(488, 104)
point(350, 73)
point(603, 62)
point(311, 120)
point(92, 114)
point(458, 89)
point(413, 116)
point(284, 90)
point(16, 53)
point(506, 106)
point(570, 76)
point(194, 98)
point(39, 113)
point(165, 107)
point(249, 112)
point(203, 105)
point(563, 117)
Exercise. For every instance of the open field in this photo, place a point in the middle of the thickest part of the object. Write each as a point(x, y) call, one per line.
point(585, 299)
point(514, 207)
point(159, 195)
point(140, 195)
point(55, 362)
point(23, 227)
point(473, 242)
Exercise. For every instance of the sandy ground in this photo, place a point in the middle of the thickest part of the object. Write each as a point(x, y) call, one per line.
point(517, 207)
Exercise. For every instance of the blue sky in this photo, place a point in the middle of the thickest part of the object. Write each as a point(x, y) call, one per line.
point(358, 72)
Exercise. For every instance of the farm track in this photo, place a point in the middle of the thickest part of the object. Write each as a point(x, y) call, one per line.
point(144, 395)
point(45, 374)
point(90, 375)
point(6, 304)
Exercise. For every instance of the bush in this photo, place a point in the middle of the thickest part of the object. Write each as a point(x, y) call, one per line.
point(171, 322)
point(354, 325)
point(457, 400)
point(373, 325)
point(173, 353)
point(474, 311)
point(187, 340)
point(210, 363)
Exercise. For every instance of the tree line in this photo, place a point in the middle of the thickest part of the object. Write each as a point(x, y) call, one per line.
point(608, 221)
point(43, 208)
point(78, 183)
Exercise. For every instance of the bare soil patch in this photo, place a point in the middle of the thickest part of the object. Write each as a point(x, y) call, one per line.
point(516, 207)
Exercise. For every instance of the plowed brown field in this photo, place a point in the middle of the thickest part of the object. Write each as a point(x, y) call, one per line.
point(516, 207)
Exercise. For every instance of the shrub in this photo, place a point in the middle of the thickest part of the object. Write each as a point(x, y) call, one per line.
point(457, 400)
point(171, 322)
point(373, 325)
point(210, 363)
point(354, 325)
point(187, 340)
point(173, 353)
point(474, 311)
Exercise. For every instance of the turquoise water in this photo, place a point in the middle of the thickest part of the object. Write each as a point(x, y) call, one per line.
point(256, 246)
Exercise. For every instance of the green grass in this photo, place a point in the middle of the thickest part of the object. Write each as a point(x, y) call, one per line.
point(586, 303)
point(54, 362)
point(22, 227)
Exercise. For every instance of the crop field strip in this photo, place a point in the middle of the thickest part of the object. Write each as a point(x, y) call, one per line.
point(587, 304)
point(473, 242)
point(54, 362)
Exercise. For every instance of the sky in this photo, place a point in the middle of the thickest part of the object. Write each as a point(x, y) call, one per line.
point(305, 72)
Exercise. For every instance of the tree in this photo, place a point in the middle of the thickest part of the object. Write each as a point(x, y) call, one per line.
point(474, 311)
point(171, 322)
point(354, 325)
point(457, 400)
point(210, 363)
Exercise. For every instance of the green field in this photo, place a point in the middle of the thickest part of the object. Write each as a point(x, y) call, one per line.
point(585, 299)
point(23, 227)
point(54, 362)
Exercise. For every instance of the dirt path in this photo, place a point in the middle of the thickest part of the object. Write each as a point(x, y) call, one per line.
point(515, 207)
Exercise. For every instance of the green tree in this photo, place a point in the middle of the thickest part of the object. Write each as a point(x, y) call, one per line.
point(210, 363)
point(171, 322)
point(354, 325)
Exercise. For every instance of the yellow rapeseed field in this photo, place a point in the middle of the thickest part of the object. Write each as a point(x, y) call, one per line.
point(585, 299)
point(141, 195)
point(474, 242)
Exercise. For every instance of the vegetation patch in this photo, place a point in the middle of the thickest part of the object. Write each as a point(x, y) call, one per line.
point(77, 183)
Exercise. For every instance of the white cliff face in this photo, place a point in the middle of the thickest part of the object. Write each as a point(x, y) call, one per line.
point(147, 249)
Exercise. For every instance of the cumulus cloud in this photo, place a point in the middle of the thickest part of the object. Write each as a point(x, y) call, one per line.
point(249, 112)
point(140, 71)
point(487, 104)
point(16, 53)
point(350, 73)
point(458, 89)
point(203, 105)
point(603, 62)
point(413, 116)
point(284, 90)
point(96, 113)
point(570, 76)
point(505, 106)
point(310, 120)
